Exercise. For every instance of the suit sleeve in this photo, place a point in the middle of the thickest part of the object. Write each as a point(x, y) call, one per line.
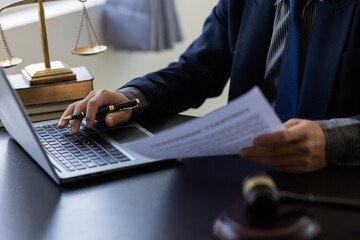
point(201, 72)
point(342, 141)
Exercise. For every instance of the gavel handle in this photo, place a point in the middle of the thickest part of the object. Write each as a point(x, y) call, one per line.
point(309, 199)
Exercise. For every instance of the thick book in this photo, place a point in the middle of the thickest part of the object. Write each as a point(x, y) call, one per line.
point(56, 92)
point(45, 116)
point(42, 112)
point(42, 117)
point(47, 108)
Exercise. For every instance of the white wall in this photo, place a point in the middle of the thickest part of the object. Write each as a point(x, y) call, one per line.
point(112, 68)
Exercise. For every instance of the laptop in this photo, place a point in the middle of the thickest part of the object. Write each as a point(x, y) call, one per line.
point(66, 158)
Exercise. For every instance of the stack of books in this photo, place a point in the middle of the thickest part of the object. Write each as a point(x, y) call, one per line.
point(48, 101)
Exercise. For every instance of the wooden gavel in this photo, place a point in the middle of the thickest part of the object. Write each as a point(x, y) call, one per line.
point(262, 197)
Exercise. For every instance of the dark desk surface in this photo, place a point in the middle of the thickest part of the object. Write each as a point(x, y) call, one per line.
point(165, 201)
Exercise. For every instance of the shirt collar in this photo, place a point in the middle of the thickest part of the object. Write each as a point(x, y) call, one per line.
point(279, 1)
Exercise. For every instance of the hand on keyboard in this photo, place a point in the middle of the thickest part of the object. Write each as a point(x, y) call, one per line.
point(90, 104)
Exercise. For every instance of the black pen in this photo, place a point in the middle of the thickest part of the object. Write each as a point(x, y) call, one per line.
point(112, 108)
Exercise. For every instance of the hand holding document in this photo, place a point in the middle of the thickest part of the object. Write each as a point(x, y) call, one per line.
point(222, 132)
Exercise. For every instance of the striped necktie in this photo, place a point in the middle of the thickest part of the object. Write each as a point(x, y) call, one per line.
point(287, 98)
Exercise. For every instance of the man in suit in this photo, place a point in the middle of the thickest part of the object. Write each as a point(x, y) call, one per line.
point(248, 42)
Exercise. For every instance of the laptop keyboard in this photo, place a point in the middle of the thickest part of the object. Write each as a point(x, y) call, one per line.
point(78, 152)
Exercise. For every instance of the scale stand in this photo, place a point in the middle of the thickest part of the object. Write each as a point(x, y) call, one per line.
point(38, 74)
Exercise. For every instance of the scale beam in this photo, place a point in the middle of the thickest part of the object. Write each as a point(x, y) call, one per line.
point(21, 3)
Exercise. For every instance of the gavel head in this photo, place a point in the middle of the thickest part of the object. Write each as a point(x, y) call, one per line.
point(261, 196)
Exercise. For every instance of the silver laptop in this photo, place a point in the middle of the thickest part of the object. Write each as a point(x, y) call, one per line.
point(64, 157)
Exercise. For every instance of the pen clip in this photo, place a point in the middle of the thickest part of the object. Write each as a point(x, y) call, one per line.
point(128, 108)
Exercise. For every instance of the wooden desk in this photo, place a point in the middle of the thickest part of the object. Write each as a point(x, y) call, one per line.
point(167, 201)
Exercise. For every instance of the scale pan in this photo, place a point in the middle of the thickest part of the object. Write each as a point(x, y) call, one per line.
point(6, 63)
point(91, 50)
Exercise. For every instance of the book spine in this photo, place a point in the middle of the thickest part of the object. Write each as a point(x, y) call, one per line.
point(55, 93)
point(42, 117)
point(46, 108)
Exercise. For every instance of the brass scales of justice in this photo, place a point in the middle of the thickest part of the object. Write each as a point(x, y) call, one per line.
point(55, 71)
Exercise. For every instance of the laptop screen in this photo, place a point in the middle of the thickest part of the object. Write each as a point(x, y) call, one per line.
point(18, 124)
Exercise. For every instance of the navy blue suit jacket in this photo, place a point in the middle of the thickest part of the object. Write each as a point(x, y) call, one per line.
point(234, 44)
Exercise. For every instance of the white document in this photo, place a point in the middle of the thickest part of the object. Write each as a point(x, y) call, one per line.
point(222, 132)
